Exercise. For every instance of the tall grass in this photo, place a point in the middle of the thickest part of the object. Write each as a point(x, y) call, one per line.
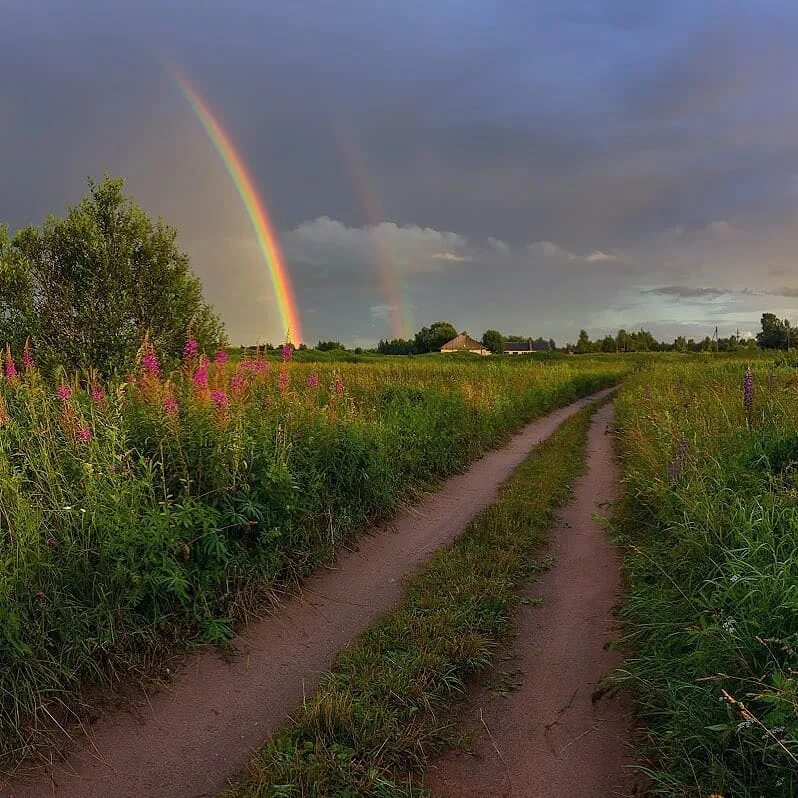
point(140, 516)
point(710, 524)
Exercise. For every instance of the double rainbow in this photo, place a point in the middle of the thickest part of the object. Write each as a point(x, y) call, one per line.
point(255, 208)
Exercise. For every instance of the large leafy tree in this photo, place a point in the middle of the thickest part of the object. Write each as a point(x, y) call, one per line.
point(493, 340)
point(432, 338)
point(776, 334)
point(88, 287)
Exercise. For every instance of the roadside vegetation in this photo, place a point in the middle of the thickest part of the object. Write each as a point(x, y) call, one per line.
point(385, 709)
point(139, 516)
point(710, 526)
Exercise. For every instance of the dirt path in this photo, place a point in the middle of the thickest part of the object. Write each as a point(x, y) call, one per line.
point(552, 737)
point(191, 739)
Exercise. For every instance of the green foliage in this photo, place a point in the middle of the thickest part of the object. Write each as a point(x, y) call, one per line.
point(88, 287)
point(776, 333)
point(493, 340)
point(329, 346)
point(383, 712)
point(432, 338)
point(711, 614)
point(156, 514)
point(397, 346)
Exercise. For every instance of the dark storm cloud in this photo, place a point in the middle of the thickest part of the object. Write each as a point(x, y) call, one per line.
point(545, 167)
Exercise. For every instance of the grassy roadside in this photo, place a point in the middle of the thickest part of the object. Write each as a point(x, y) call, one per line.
point(379, 715)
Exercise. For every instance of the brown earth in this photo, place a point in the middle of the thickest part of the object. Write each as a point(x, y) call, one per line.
point(555, 734)
point(196, 736)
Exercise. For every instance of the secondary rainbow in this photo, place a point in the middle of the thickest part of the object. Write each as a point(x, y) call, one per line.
point(391, 282)
point(254, 205)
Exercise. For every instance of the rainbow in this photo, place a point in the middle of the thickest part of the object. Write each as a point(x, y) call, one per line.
point(391, 283)
point(255, 208)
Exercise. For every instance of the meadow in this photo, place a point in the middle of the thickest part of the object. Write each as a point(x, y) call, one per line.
point(710, 529)
point(149, 514)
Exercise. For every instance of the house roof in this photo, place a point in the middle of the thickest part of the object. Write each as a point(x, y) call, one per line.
point(463, 341)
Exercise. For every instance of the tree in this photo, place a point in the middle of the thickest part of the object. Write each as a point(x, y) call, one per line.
point(583, 344)
point(493, 340)
point(776, 334)
point(89, 287)
point(398, 346)
point(329, 346)
point(432, 338)
point(608, 344)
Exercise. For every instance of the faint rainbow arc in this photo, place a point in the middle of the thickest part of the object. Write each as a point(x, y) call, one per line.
point(254, 206)
point(390, 276)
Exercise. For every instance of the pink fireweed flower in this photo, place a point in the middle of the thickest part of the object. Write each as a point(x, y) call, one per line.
point(313, 380)
point(190, 348)
point(237, 381)
point(220, 399)
point(260, 366)
point(150, 363)
point(338, 386)
point(283, 380)
point(97, 395)
point(63, 392)
point(27, 357)
point(201, 374)
point(286, 352)
point(221, 357)
point(10, 366)
point(170, 406)
point(83, 434)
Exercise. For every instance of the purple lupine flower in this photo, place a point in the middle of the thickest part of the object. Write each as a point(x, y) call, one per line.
point(748, 393)
point(682, 450)
point(673, 471)
point(313, 380)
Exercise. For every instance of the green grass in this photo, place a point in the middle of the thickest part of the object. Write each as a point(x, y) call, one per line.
point(164, 530)
point(381, 714)
point(710, 525)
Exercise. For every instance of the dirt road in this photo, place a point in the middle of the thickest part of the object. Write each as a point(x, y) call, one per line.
point(554, 736)
point(191, 739)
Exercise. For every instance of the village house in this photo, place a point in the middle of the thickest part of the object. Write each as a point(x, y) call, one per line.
point(464, 343)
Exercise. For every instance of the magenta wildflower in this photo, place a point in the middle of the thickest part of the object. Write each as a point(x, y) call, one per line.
point(10, 367)
point(220, 399)
point(286, 352)
point(190, 348)
point(338, 386)
point(150, 363)
point(237, 381)
point(170, 406)
point(97, 394)
point(83, 434)
point(221, 357)
point(201, 374)
point(260, 366)
point(63, 392)
point(41, 597)
point(27, 357)
point(283, 380)
point(313, 380)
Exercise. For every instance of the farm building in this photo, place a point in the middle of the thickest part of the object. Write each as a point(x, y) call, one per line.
point(465, 343)
point(525, 347)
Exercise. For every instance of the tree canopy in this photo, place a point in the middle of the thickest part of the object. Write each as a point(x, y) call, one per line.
point(432, 338)
point(86, 289)
point(493, 340)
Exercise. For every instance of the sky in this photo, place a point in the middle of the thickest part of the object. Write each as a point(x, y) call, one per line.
point(534, 167)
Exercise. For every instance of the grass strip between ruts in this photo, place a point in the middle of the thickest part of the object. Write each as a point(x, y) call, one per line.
point(382, 713)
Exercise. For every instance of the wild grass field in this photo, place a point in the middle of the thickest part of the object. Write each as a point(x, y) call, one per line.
point(144, 515)
point(710, 528)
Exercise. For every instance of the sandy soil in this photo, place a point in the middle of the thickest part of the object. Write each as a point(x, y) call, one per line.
point(192, 739)
point(555, 736)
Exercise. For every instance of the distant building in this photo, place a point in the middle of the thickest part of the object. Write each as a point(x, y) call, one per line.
point(526, 347)
point(465, 343)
